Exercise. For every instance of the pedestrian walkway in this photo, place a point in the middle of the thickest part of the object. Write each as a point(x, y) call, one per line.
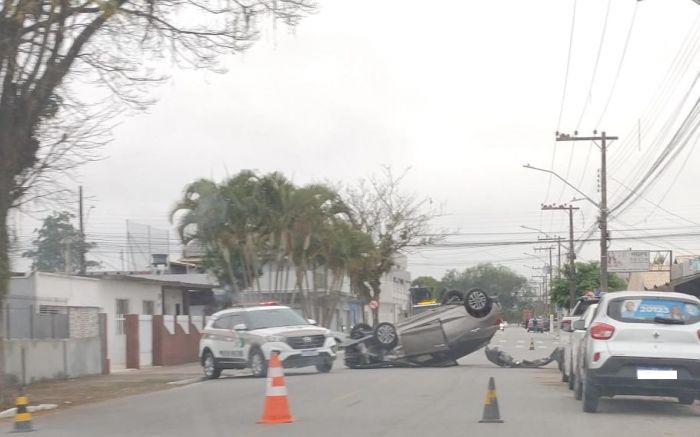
point(125, 382)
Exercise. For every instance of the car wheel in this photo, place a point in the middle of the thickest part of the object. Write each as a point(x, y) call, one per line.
point(590, 396)
point(452, 296)
point(360, 330)
point(386, 336)
point(477, 303)
point(258, 364)
point(578, 389)
point(686, 400)
point(564, 376)
point(209, 366)
point(324, 366)
point(572, 380)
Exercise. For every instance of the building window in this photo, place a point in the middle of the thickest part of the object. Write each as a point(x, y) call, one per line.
point(148, 307)
point(52, 309)
point(122, 310)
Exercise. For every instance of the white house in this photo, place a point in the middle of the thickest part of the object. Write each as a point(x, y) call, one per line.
point(115, 295)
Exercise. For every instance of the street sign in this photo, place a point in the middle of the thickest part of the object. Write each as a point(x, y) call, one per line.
point(373, 304)
point(628, 261)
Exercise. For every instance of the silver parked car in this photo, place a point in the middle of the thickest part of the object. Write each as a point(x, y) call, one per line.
point(642, 343)
point(462, 324)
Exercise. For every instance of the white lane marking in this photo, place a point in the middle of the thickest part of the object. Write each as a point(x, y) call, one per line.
point(521, 341)
point(519, 346)
point(503, 341)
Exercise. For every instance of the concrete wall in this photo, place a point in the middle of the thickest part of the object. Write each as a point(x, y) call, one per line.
point(29, 361)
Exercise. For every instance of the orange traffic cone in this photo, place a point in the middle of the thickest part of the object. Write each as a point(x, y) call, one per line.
point(491, 412)
point(276, 409)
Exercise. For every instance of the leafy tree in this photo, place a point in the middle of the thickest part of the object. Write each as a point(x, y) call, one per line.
point(52, 51)
point(58, 242)
point(251, 220)
point(510, 287)
point(430, 283)
point(587, 279)
point(397, 222)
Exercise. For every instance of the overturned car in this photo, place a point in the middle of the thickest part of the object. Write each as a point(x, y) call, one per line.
point(463, 323)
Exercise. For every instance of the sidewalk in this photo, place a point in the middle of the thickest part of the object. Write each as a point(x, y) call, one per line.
point(88, 389)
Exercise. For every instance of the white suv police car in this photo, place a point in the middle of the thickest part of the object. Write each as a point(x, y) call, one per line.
point(245, 337)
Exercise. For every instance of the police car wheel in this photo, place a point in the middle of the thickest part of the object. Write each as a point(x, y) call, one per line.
point(324, 366)
point(258, 365)
point(209, 366)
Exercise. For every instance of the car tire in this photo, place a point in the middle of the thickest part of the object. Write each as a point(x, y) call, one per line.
point(452, 296)
point(578, 389)
point(591, 397)
point(564, 376)
point(324, 366)
point(386, 335)
point(209, 366)
point(572, 380)
point(258, 363)
point(358, 331)
point(686, 400)
point(477, 303)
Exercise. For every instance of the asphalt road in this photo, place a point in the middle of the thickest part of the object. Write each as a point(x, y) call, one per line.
point(383, 402)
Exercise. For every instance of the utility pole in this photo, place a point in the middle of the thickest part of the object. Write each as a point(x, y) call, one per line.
point(81, 252)
point(572, 251)
point(557, 240)
point(548, 270)
point(603, 206)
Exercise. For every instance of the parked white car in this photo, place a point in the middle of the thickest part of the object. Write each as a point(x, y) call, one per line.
point(577, 337)
point(245, 337)
point(566, 331)
point(642, 343)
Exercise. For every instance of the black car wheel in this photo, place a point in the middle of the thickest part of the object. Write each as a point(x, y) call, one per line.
point(591, 396)
point(209, 366)
point(386, 335)
point(572, 381)
point(258, 364)
point(360, 330)
point(686, 400)
point(324, 366)
point(452, 296)
point(578, 389)
point(478, 303)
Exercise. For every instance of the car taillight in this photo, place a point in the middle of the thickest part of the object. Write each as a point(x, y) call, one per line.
point(596, 356)
point(498, 321)
point(602, 331)
point(698, 334)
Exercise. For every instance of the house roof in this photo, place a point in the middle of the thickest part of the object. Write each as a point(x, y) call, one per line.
point(170, 281)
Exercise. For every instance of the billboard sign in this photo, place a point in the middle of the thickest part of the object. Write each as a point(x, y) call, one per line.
point(628, 261)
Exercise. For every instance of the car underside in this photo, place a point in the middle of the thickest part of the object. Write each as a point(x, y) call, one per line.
point(462, 324)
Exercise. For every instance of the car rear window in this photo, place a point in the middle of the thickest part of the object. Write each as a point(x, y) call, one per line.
point(646, 310)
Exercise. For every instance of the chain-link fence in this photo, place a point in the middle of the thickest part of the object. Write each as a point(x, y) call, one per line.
point(35, 323)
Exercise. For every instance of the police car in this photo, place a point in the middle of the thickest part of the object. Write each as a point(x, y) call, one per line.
point(245, 337)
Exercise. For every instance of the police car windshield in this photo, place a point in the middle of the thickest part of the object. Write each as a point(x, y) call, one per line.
point(273, 318)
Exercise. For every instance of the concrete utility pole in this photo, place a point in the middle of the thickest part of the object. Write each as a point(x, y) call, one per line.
point(81, 252)
point(548, 271)
point(603, 206)
point(572, 251)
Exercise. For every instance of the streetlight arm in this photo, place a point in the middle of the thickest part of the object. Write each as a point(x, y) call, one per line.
point(565, 181)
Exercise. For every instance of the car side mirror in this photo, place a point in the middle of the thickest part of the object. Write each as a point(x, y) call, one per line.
point(579, 325)
point(240, 327)
point(312, 321)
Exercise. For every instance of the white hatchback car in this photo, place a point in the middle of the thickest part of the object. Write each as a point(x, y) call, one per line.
point(577, 336)
point(245, 337)
point(642, 343)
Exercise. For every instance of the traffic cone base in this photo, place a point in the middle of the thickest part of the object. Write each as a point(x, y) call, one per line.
point(532, 345)
point(276, 409)
point(491, 412)
point(23, 418)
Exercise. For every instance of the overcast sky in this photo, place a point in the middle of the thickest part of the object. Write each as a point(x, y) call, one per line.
point(462, 93)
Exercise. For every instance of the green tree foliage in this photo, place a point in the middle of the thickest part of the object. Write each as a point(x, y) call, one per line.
point(57, 241)
point(511, 288)
point(252, 220)
point(587, 279)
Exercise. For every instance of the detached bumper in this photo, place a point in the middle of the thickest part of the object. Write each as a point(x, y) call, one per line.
point(618, 376)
